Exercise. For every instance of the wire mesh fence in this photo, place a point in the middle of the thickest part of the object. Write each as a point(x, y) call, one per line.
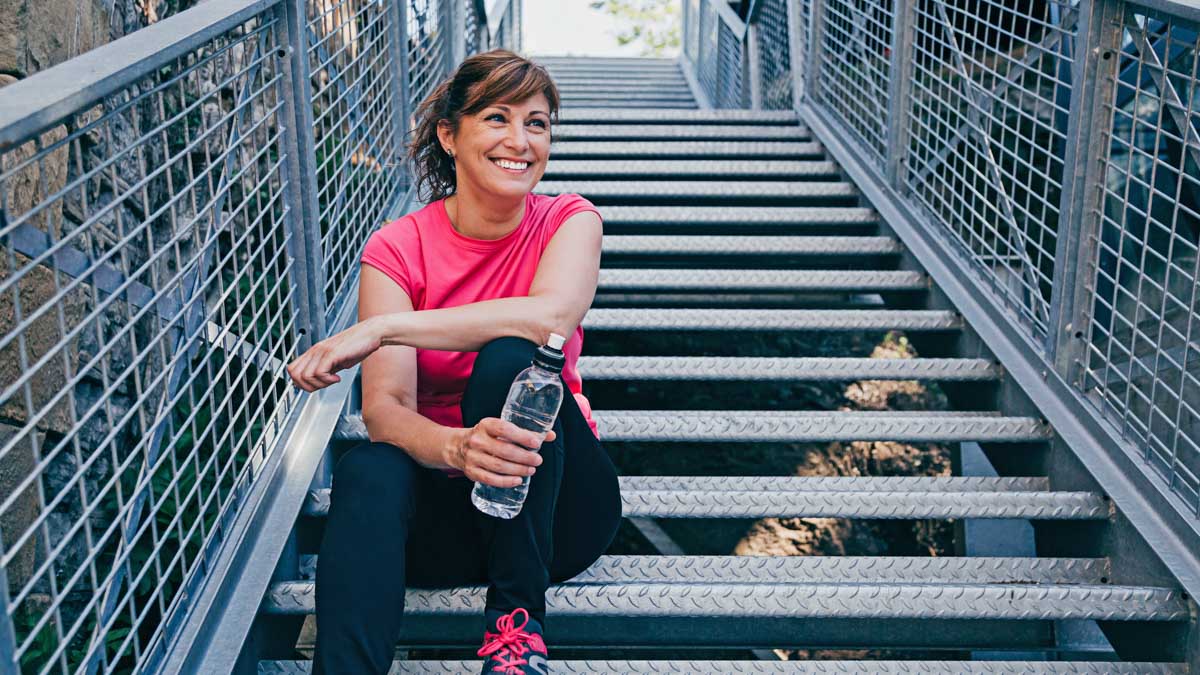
point(354, 102)
point(147, 314)
point(855, 68)
point(774, 53)
point(1141, 364)
point(987, 130)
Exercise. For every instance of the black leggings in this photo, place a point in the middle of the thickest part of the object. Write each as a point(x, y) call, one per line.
point(392, 520)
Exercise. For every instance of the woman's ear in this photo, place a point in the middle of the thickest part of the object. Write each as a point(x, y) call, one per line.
point(446, 136)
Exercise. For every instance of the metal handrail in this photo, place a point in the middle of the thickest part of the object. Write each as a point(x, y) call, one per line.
point(48, 97)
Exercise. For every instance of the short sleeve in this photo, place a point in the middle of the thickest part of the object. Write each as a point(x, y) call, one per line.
point(386, 254)
point(563, 207)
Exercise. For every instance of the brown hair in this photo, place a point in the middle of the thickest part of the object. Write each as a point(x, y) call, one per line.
point(498, 76)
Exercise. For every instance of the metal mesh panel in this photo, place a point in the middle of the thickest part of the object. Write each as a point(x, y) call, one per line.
point(987, 128)
point(1142, 359)
point(146, 313)
point(473, 24)
point(775, 59)
point(354, 105)
point(730, 66)
point(428, 49)
point(856, 37)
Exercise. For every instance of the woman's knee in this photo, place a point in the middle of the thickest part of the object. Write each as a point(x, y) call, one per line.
point(496, 365)
point(378, 472)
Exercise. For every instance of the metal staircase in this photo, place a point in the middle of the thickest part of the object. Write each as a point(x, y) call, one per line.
point(738, 222)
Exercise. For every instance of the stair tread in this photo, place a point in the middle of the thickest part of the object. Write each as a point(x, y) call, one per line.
point(737, 215)
point(679, 148)
point(767, 319)
point(799, 600)
point(682, 168)
point(830, 569)
point(699, 188)
point(756, 132)
point(760, 279)
point(710, 116)
point(824, 667)
point(749, 244)
point(641, 368)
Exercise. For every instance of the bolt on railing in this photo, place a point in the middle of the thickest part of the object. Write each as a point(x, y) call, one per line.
point(181, 212)
point(1054, 151)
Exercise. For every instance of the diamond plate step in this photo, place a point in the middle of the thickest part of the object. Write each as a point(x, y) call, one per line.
point(762, 280)
point(812, 426)
point(869, 498)
point(706, 149)
point(768, 600)
point(822, 667)
point(675, 189)
point(743, 368)
point(668, 132)
point(618, 104)
point(655, 91)
point(793, 426)
point(602, 115)
point(630, 244)
point(685, 168)
point(830, 569)
point(782, 216)
point(771, 319)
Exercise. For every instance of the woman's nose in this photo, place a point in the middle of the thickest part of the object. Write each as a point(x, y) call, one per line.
point(517, 137)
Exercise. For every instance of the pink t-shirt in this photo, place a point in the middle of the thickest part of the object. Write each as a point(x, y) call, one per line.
point(439, 267)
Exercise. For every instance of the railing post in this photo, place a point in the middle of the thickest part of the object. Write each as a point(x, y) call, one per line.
point(899, 91)
point(812, 73)
point(8, 638)
point(458, 33)
point(300, 192)
point(398, 47)
point(797, 51)
point(1093, 74)
point(750, 52)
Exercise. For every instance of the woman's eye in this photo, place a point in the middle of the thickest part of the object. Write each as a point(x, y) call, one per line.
point(539, 123)
point(495, 116)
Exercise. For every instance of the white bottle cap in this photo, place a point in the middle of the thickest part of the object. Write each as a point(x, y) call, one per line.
point(556, 341)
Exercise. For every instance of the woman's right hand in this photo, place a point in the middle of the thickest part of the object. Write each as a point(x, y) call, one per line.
point(494, 452)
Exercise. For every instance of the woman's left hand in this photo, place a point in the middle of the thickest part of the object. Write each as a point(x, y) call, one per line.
point(317, 368)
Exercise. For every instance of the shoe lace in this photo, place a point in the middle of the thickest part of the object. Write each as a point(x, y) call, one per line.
point(509, 644)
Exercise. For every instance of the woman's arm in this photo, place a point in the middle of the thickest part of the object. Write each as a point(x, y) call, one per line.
point(389, 386)
point(559, 297)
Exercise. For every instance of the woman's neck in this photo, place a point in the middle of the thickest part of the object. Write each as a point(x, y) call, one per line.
point(475, 216)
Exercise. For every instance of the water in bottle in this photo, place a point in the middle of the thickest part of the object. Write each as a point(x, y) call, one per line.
point(533, 402)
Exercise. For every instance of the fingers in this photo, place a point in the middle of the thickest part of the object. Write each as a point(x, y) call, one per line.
point(492, 479)
point(514, 434)
point(314, 369)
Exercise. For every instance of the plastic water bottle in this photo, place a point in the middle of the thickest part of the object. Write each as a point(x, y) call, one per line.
point(532, 404)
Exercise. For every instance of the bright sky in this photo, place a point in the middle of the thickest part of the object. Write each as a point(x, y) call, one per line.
point(571, 27)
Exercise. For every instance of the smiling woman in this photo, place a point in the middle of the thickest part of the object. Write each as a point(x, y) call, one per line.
point(453, 300)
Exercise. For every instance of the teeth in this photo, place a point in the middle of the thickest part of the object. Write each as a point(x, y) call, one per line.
point(520, 166)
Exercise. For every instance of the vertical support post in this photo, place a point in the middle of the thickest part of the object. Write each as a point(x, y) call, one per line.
point(398, 51)
point(300, 191)
point(458, 33)
point(754, 72)
point(796, 24)
point(816, 29)
point(8, 637)
point(899, 92)
point(1093, 76)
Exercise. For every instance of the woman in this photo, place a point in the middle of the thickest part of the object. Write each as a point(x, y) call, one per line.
point(454, 300)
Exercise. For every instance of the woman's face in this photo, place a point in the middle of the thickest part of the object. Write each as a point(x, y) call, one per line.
point(502, 150)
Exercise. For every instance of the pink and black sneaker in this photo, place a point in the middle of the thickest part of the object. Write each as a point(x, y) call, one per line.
point(515, 649)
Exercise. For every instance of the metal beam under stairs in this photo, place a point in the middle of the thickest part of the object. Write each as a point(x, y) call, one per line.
point(735, 226)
